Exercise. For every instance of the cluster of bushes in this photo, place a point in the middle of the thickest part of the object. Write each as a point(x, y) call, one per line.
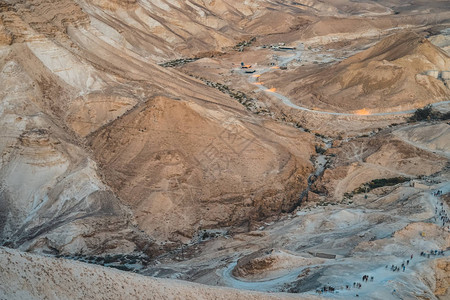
point(124, 262)
point(177, 62)
point(427, 113)
point(376, 183)
point(325, 203)
point(238, 95)
point(240, 46)
point(320, 135)
point(250, 103)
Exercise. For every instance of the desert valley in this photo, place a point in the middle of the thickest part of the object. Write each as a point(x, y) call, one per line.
point(224, 149)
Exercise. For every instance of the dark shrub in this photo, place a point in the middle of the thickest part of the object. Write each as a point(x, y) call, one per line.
point(423, 114)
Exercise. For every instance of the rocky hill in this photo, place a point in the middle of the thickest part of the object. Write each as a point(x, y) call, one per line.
point(400, 72)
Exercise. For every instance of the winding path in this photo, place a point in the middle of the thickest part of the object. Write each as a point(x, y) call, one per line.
point(298, 53)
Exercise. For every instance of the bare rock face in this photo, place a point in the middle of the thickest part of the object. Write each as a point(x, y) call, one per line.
point(435, 275)
point(89, 112)
point(113, 5)
point(435, 137)
point(51, 197)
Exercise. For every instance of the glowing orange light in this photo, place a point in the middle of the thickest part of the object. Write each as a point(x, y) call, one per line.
point(275, 67)
point(257, 75)
point(363, 112)
point(272, 90)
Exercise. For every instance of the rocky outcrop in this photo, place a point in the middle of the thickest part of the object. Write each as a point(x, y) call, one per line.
point(266, 263)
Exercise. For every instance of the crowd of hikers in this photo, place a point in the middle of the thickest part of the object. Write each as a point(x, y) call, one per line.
point(356, 285)
point(367, 278)
point(440, 214)
point(432, 253)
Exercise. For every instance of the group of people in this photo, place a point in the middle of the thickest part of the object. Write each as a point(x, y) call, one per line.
point(437, 193)
point(366, 278)
point(395, 268)
point(356, 285)
point(326, 289)
point(444, 218)
point(432, 252)
point(442, 215)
